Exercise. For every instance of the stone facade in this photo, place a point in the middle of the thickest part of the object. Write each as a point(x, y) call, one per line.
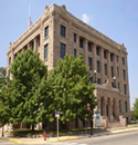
point(58, 33)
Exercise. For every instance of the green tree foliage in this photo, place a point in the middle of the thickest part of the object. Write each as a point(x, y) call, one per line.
point(27, 73)
point(71, 89)
point(135, 111)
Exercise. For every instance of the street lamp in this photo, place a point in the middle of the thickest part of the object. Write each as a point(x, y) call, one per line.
point(57, 115)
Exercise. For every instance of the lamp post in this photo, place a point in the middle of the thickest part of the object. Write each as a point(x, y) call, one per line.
point(57, 115)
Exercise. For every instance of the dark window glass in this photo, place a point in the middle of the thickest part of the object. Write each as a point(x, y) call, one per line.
point(98, 66)
point(46, 52)
point(126, 108)
point(124, 74)
point(62, 50)
point(125, 89)
point(105, 54)
point(90, 45)
point(123, 60)
point(111, 57)
point(98, 50)
point(99, 81)
point(62, 30)
point(118, 71)
point(75, 37)
point(105, 69)
point(82, 42)
point(112, 71)
point(90, 62)
point(46, 32)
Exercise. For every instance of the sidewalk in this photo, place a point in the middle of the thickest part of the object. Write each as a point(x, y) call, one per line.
point(40, 140)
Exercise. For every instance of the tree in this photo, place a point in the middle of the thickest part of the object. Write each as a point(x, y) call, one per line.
point(27, 73)
point(135, 111)
point(71, 89)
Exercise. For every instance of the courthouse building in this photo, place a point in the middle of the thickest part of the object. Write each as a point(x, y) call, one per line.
point(58, 33)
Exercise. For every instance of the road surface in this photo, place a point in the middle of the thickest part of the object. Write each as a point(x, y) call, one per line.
point(118, 139)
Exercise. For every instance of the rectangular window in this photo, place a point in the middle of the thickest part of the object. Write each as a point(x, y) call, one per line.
point(105, 69)
point(125, 89)
point(90, 45)
point(90, 63)
point(105, 54)
point(82, 42)
point(99, 81)
point(123, 60)
point(118, 71)
point(111, 57)
point(75, 52)
point(98, 50)
point(98, 66)
point(112, 71)
point(62, 50)
point(124, 74)
point(62, 30)
point(75, 37)
point(46, 31)
point(46, 52)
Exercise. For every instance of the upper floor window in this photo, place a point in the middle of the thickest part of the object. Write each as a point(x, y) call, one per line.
point(98, 50)
point(105, 54)
point(82, 42)
point(46, 31)
point(90, 63)
point(124, 74)
point(46, 52)
point(123, 60)
point(62, 50)
point(98, 66)
point(62, 30)
point(112, 71)
point(112, 57)
point(75, 37)
point(105, 69)
point(90, 45)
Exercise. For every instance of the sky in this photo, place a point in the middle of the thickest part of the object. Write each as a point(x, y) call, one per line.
point(117, 19)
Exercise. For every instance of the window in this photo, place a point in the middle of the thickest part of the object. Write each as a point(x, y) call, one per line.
point(118, 85)
point(125, 89)
point(112, 71)
point(99, 81)
point(62, 50)
point(105, 69)
point(98, 66)
point(75, 52)
point(90, 62)
point(46, 31)
point(31, 45)
point(124, 74)
point(118, 71)
point(105, 54)
point(126, 108)
point(98, 50)
point(46, 52)
point(120, 106)
point(123, 60)
point(90, 44)
point(111, 57)
point(37, 41)
point(117, 58)
point(62, 30)
point(82, 42)
point(75, 37)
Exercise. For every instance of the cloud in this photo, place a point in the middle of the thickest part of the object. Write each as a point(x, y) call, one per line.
point(85, 18)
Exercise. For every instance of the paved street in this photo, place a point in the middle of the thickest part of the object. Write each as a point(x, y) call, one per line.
point(119, 139)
